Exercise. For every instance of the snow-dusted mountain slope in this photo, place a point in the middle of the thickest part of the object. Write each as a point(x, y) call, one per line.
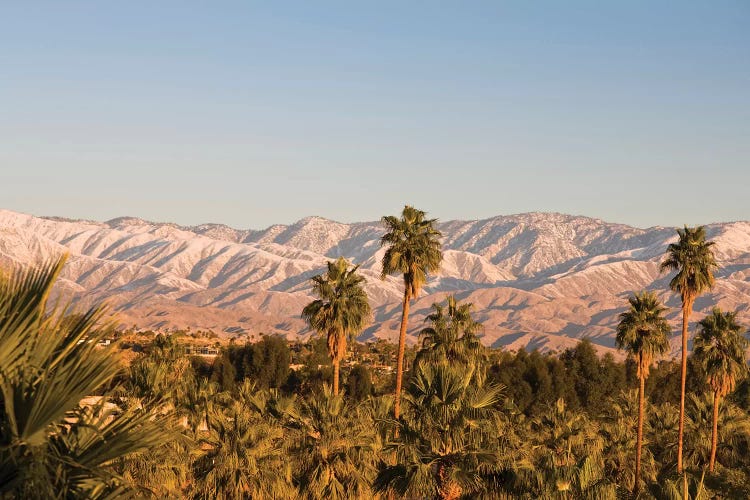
point(536, 280)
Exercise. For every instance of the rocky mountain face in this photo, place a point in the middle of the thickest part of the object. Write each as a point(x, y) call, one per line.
point(537, 280)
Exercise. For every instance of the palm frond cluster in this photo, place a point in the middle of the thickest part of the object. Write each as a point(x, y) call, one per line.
point(50, 444)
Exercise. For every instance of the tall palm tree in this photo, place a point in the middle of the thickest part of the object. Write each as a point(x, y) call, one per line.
point(642, 332)
point(414, 252)
point(720, 348)
point(341, 312)
point(451, 337)
point(693, 259)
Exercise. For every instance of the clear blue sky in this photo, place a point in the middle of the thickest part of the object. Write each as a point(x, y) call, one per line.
point(257, 113)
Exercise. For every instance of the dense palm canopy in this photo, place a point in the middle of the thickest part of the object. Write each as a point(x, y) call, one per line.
point(620, 444)
point(567, 459)
point(340, 312)
point(720, 349)
point(413, 251)
point(245, 457)
point(443, 443)
point(335, 445)
point(733, 433)
point(692, 258)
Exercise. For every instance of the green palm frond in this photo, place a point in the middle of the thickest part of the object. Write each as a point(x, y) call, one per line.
point(674, 488)
point(49, 362)
point(22, 309)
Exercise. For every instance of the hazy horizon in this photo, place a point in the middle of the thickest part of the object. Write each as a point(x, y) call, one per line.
point(251, 115)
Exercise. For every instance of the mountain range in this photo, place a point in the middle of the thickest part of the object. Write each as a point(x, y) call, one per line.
point(536, 280)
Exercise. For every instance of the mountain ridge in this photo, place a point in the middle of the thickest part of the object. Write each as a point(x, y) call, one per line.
point(543, 279)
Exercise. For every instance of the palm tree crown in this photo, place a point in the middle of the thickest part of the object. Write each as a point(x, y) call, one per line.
point(413, 248)
point(720, 347)
point(643, 330)
point(342, 310)
point(693, 259)
point(451, 336)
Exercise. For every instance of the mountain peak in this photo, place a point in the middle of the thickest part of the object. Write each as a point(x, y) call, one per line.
point(315, 219)
point(128, 221)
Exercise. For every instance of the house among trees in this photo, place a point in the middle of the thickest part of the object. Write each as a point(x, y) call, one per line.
point(202, 350)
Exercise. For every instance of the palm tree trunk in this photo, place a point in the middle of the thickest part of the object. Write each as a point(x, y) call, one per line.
point(715, 433)
point(639, 442)
point(401, 347)
point(686, 308)
point(447, 489)
point(336, 363)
